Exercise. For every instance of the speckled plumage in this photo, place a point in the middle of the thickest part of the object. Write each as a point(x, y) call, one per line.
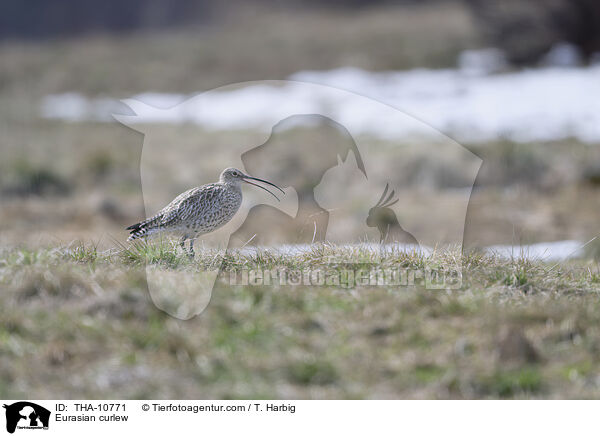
point(198, 210)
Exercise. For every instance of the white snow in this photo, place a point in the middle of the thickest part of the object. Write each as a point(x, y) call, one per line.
point(563, 55)
point(301, 249)
point(482, 62)
point(531, 105)
point(544, 251)
point(72, 106)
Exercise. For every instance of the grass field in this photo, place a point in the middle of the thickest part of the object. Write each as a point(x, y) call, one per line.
point(76, 315)
point(79, 323)
point(78, 320)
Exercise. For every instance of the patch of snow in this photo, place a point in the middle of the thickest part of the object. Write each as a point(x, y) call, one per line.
point(72, 106)
point(531, 105)
point(542, 104)
point(482, 62)
point(301, 249)
point(545, 251)
point(563, 55)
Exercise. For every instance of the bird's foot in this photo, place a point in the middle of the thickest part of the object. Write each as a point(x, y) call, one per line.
point(191, 253)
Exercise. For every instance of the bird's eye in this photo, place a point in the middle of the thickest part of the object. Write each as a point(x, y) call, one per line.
point(235, 173)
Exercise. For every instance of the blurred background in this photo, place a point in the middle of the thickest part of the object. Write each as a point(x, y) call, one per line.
point(514, 82)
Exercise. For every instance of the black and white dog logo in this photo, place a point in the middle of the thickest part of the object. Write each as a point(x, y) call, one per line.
point(26, 415)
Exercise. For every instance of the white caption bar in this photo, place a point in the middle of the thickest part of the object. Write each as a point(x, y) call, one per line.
point(299, 417)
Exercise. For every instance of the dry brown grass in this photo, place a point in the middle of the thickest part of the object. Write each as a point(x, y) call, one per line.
point(79, 323)
point(526, 193)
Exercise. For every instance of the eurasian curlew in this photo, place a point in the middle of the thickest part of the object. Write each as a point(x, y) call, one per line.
point(199, 210)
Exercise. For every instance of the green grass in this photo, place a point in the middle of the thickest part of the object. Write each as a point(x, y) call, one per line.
point(503, 384)
point(163, 253)
point(317, 372)
point(85, 311)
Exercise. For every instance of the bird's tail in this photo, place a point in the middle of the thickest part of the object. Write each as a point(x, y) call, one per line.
point(143, 228)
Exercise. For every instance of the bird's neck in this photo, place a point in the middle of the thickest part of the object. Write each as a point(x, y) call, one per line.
point(235, 186)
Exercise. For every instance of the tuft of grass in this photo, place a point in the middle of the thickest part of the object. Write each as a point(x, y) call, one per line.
point(165, 253)
point(99, 164)
point(516, 278)
point(428, 373)
point(24, 179)
point(313, 372)
point(503, 384)
point(82, 253)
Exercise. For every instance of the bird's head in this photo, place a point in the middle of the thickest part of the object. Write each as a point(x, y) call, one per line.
point(235, 176)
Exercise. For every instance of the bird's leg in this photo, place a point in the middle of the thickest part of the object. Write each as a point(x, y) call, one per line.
point(192, 254)
point(182, 242)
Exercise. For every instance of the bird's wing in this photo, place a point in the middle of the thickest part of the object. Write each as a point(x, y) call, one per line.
point(190, 203)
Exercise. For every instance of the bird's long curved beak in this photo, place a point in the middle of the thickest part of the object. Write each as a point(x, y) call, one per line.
point(245, 179)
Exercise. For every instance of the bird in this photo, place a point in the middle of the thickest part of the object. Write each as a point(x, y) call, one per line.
point(384, 218)
point(200, 210)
